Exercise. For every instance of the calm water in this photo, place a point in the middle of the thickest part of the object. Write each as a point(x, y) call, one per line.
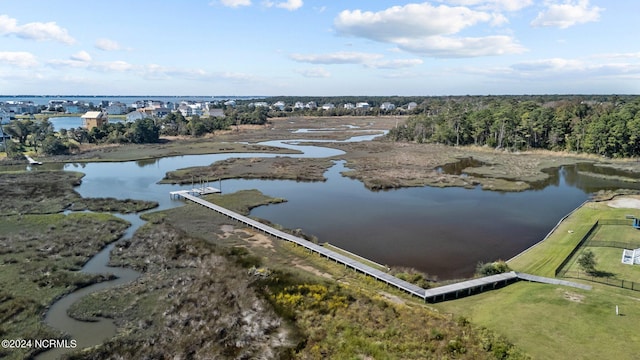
point(69, 122)
point(442, 231)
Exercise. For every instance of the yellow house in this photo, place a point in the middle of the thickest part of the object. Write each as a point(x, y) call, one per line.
point(94, 118)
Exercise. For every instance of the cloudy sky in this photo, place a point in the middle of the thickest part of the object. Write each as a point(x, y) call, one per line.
point(307, 47)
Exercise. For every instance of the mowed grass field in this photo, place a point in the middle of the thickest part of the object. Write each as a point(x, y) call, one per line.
point(559, 322)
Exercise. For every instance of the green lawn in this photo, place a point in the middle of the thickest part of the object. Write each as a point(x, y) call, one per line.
point(546, 256)
point(555, 322)
point(558, 322)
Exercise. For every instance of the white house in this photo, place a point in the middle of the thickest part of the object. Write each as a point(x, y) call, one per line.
point(280, 105)
point(411, 106)
point(328, 106)
point(363, 105)
point(299, 105)
point(311, 105)
point(349, 106)
point(185, 110)
point(387, 106)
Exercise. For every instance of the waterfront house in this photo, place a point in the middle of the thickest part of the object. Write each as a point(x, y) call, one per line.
point(94, 119)
point(135, 115)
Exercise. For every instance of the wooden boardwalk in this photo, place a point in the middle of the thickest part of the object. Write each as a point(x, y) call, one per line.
point(442, 293)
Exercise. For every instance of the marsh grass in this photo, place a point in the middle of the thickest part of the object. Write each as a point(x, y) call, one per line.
point(39, 258)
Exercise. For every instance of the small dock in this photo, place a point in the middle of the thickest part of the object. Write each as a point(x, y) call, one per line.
point(32, 161)
point(205, 190)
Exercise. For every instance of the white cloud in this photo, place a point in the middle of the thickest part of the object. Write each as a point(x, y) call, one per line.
point(495, 5)
point(35, 31)
point(112, 66)
point(290, 5)
point(107, 45)
point(567, 14)
point(342, 57)
point(235, 3)
point(395, 64)
point(81, 56)
point(428, 30)
point(409, 21)
point(21, 59)
point(451, 47)
point(317, 72)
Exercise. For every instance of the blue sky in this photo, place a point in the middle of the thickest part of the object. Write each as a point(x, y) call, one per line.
point(323, 48)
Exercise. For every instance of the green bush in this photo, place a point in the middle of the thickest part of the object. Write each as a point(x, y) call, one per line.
point(493, 268)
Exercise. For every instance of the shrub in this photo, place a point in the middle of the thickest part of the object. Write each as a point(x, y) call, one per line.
point(493, 268)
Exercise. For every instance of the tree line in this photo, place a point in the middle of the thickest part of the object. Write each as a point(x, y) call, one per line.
point(607, 126)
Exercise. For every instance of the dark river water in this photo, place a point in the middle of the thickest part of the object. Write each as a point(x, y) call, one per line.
point(444, 232)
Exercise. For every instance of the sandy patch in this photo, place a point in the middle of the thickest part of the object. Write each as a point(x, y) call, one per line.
point(252, 238)
point(392, 298)
point(312, 270)
point(625, 202)
point(572, 296)
point(258, 239)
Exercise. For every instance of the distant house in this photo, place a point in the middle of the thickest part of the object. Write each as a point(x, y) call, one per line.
point(135, 115)
point(387, 106)
point(362, 105)
point(411, 106)
point(94, 119)
point(4, 116)
point(161, 112)
point(349, 106)
point(116, 108)
point(298, 105)
point(280, 105)
point(328, 106)
point(215, 113)
point(311, 105)
point(185, 110)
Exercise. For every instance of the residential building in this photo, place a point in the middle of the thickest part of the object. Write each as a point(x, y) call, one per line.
point(215, 112)
point(5, 116)
point(328, 106)
point(411, 106)
point(311, 105)
point(279, 105)
point(387, 106)
point(185, 110)
point(349, 106)
point(94, 119)
point(116, 108)
point(299, 105)
point(363, 105)
point(136, 115)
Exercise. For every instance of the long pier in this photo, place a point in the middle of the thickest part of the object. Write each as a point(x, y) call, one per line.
point(441, 293)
